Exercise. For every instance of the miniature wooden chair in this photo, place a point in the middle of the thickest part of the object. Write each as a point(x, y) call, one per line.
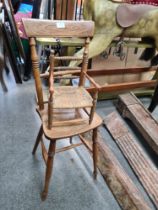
point(59, 115)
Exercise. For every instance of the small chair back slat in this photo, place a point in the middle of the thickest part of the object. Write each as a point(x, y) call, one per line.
point(48, 28)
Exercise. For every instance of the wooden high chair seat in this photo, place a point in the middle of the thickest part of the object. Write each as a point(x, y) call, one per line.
point(71, 97)
point(60, 132)
point(69, 110)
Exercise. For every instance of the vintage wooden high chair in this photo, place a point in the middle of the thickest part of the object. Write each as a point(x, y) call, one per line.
point(69, 110)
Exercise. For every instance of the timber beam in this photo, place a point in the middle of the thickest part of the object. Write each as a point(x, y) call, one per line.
point(143, 167)
point(130, 107)
point(122, 187)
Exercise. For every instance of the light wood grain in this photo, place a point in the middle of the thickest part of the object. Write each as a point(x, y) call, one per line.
point(66, 131)
point(71, 97)
point(122, 187)
point(130, 107)
point(145, 170)
point(52, 28)
point(65, 113)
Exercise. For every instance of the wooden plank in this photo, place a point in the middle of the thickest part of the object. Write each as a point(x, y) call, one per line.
point(71, 42)
point(122, 187)
point(128, 85)
point(143, 167)
point(130, 107)
point(65, 9)
point(98, 72)
point(137, 92)
point(66, 58)
point(56, 28)
point(107, 72)
point(63, 68)
point(51, 41)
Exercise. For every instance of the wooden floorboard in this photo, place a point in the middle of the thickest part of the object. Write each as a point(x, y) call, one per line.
point(131, 108)
point(120, 184)
point(143, 167)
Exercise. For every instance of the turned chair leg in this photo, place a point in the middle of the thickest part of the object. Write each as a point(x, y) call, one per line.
point(49, 167)
point(95, 152)
point(38, 139)
point(95, 96)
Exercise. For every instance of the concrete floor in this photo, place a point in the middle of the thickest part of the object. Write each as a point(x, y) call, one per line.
point(21, 175)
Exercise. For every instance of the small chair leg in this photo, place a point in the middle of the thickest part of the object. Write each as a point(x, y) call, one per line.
point(49, 167)
point(95, 96)
point(95, 152)
point(38, 139)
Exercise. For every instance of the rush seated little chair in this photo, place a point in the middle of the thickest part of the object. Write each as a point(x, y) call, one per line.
point(69, 110)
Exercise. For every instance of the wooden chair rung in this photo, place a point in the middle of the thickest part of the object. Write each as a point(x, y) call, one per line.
point(69, 122)
point(60, 73)
point(44, 75)
point(67, 68)
point(72, 58)
point(44, 152)
point(87, 143)
point(86, 111)
point(68, 147)
point(92, 81)
point(68, 77)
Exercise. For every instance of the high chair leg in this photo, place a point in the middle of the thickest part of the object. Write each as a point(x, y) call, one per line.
point(49, 168)
point(95, 152)
point(38, 139)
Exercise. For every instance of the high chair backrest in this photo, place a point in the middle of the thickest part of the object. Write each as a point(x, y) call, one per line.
point(57, 28)
point(36, 28)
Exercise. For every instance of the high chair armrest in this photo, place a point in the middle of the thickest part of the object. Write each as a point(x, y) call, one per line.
point(92, 81)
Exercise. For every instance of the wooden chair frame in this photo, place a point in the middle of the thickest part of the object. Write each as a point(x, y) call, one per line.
point(53, 133)
point(71, 30)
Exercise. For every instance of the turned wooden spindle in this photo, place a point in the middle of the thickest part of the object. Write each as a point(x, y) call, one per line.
point(51, 90)
point(36, 73)
point(85, 63)
point(95, 97)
